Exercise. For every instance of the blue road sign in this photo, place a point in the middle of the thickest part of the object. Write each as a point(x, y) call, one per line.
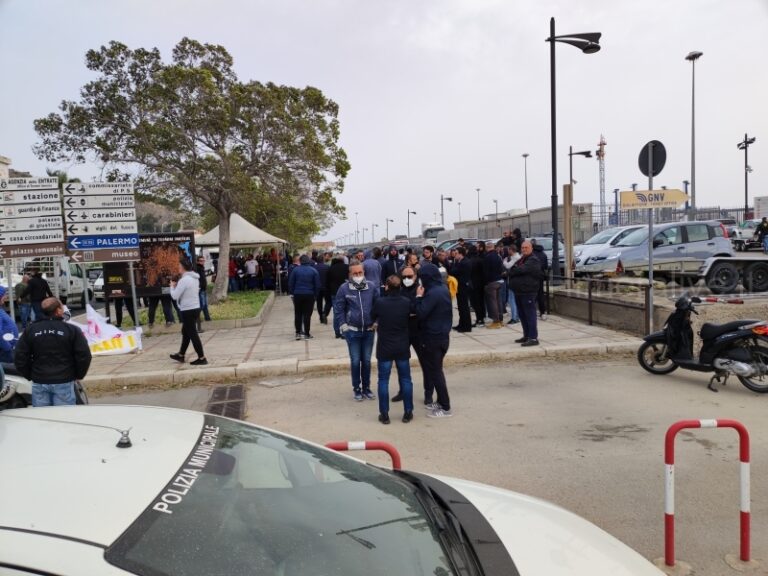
point(109, 241)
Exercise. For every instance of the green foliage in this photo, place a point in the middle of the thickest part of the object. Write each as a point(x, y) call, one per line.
point(189, 131)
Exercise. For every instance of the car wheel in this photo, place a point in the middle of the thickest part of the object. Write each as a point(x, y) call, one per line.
point(756, 277)
point(723, 278)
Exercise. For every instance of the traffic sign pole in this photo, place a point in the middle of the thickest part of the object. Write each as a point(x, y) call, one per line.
point(650, 239)
point(11, 294)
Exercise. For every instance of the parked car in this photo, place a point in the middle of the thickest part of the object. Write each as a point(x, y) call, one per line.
point(159, 491)
point(546, 243)
point(98, 288)
point(744, 237)
point(679, 248)
point(600, 241)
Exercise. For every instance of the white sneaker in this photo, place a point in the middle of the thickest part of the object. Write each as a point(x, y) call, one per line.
point(543, 316)
point(432, 406)
point(439, 413)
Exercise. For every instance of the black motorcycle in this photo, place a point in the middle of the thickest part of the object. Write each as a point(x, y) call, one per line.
point(739, 347)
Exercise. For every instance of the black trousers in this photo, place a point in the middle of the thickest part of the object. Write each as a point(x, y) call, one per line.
point(303, 304)
point(167, 305)
point(432, 351)
point(119, 310)
point(189, 332)
point(465, 316)
point(324, 304)
point(478, 302)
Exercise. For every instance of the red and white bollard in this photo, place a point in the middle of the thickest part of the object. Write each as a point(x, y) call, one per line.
point(372, 445)
point(669, 492)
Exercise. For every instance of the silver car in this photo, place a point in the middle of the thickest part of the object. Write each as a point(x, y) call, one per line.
point(599, 242)
point(678, 246)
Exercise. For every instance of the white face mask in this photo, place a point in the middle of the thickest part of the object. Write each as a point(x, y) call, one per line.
point(358, 279)
point(407, 282)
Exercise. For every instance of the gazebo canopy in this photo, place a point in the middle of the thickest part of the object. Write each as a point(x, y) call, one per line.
point(241, 233)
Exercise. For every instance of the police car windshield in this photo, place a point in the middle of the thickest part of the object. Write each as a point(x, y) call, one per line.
point(247, 501)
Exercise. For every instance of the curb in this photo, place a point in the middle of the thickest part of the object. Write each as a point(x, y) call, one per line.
point(293, 366)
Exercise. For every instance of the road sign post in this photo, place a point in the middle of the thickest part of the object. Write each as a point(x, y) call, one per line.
point(30, 218)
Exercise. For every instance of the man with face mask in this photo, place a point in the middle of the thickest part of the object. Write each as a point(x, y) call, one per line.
point(353, 306)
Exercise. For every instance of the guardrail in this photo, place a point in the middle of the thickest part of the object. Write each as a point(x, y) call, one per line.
point(669, 475)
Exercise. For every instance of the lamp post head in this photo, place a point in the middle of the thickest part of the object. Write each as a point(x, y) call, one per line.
point(449, 199)
point(525, 155)
point(587, 42)
point(411, 212)
point(585, 153)
point(693, 56)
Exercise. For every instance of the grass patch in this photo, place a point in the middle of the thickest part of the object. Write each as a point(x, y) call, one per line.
point(238, 305)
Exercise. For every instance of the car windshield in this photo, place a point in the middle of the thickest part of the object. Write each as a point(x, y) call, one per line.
point(602, 237)
point(635, 238)
point(248, 501)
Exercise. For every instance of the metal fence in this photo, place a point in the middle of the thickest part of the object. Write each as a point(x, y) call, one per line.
point(609, 217)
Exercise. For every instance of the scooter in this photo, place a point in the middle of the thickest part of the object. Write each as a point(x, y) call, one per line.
point(16, 391)
point(737, 348)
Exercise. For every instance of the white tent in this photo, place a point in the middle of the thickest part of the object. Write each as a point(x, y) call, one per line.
point(241, 233)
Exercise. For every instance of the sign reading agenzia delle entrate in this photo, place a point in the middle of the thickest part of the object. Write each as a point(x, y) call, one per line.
point(100, 222)
point(30, 218)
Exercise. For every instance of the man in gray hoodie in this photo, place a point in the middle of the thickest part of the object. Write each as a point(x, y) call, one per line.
point(186, 292)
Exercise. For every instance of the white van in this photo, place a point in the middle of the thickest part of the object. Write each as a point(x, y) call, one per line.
point(67, 280)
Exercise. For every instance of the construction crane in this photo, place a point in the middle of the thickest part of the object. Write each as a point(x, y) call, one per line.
point(601, 161)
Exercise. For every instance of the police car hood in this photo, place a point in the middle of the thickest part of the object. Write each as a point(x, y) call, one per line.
point(64, 474)
point(543, 538)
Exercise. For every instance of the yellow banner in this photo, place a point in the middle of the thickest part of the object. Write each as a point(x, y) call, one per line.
point(653, 199)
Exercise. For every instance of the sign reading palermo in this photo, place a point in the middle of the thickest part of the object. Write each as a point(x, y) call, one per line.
point(653, 199)
point(100, 222)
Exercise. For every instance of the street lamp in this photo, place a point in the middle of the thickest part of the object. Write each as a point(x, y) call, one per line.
point(386, 223)
point(616, 205)
point(364, 230)
point(459, 203)
point(373, 231)
point(442, 215)
point(525, 165)
point(409, 223)
point(589, 43)
point(496, 203)
point(692, 57)
point(478, 203)
point(571, 154)
point(357, 230)
point(744, 145)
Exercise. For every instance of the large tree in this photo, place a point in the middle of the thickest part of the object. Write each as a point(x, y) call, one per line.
point(189, 129)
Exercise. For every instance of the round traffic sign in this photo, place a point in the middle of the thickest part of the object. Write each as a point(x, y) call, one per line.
point(659, 158)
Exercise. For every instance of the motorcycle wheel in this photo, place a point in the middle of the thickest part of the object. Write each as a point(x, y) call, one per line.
point(649, 356)
point(757, 383)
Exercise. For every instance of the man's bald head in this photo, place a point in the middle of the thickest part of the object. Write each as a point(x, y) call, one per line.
point(526, 248)
point(53, 308)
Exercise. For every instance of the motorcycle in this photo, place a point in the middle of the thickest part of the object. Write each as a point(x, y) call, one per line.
point(737, 348)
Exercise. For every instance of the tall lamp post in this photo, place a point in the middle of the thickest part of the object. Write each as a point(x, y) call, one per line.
point(525, 169)
point(409, 222)
point(496, 204)
point(744, 145)
point(692, 57)
point(442, 215)
point(357, 229)
point(571, 154)
point(459, 203)
point(386, 223)
point(589, 43)
point(616, 206)
point(364, 229)
point(478, 203)
point(373, 230)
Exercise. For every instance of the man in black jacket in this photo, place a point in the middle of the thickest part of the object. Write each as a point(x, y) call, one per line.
point(524, 279)
point(493, 268)
point(391, 317)
point(435, 313)
point(337, 275)
point(462, 271)
point(477, 295)
point(53, 355)
point(38, 290)
point(324, 297)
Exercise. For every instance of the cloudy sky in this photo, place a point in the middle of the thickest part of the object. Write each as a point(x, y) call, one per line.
point(443, 96)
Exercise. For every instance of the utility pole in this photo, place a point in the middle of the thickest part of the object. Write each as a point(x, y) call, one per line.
point(744, 145)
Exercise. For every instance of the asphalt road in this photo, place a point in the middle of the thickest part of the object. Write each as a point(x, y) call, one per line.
point(587, 436)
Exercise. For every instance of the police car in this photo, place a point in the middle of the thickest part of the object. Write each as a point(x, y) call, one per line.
point(111, 490)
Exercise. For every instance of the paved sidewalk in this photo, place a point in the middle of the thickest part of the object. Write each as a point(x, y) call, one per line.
point(270, 349)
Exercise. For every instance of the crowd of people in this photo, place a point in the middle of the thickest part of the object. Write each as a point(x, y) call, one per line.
point(402, 301)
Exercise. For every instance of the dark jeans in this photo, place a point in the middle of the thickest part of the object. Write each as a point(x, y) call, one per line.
point(189, 332)
point(493, 301)
point(25, 311)
point(465, 316)
point(302, 312)
point(204, 305)
point(360, 346)
point(403, 377)
point(119, 310)
point(324, 303)
point(478, 302)
point(526, 308)
point(433, 350)
point(165, 301)
point(37, 308)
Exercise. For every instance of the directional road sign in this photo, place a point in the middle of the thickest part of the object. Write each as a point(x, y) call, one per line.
point(110, 241)
point(101, 215)
point(671, 198)
point(93, 228)
point(30, 218)
point(97, 188)
point(116, 201)
point(117, 255)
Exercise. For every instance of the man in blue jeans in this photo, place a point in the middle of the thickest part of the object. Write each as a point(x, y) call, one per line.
point(391, 315)
point(353, 306)
point(53, 354)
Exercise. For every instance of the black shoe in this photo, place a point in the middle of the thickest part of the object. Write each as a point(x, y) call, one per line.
point(199, 362)
point(456, 327)
point(298, 335)
point(478, 323)
point(512, 321)
point(178, 357)
point(307, 336)
point(397, 397)
point(521, 340)
point(530, 342)
point(407, 417)
point(384, 418)
point(462, 330)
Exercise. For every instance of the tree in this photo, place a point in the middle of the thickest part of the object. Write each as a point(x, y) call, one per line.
point(190, 130)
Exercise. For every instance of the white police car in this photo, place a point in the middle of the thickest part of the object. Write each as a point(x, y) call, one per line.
point(113, 490)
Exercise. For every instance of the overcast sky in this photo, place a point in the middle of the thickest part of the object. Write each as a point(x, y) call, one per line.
point(443, 96)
